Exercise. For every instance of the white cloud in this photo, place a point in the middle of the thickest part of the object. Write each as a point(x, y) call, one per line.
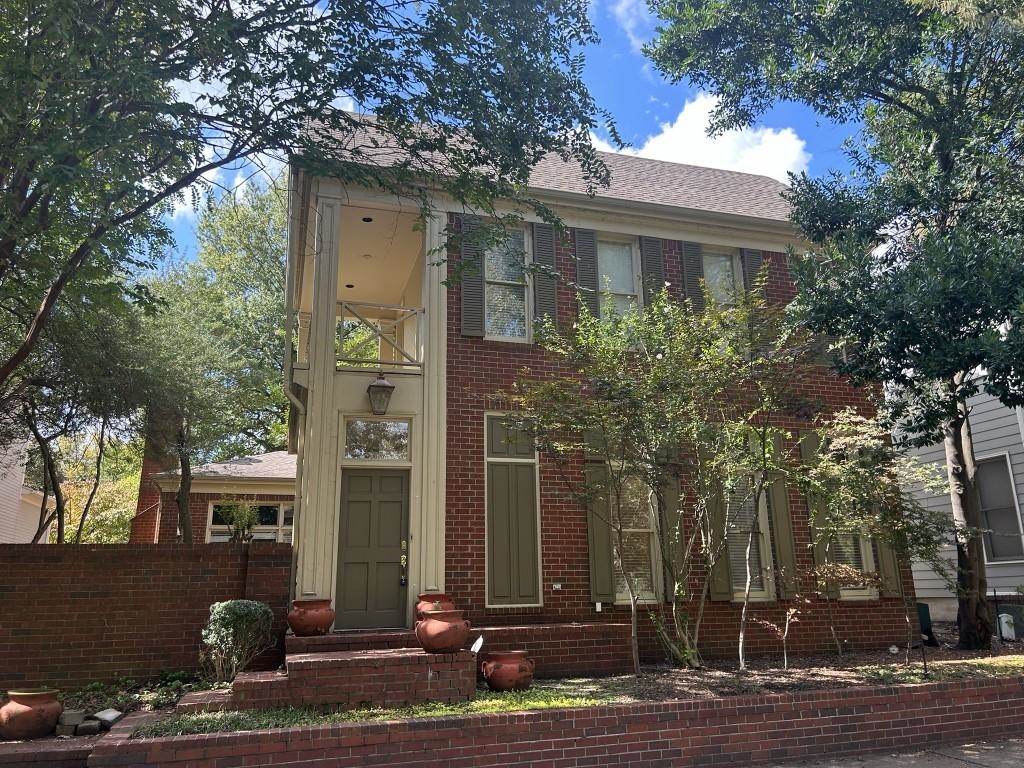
point(635, 21)
point(766, 151)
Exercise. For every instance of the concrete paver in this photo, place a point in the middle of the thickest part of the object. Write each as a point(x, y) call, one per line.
point(990, 753)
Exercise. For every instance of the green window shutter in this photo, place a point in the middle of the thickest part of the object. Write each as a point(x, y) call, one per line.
point(545, 285)
point(782, 527)
point(809, 444)
point(721, 578)
point(599, 537)
point(504, 442)
point(471, 279)
point(752, 261)
point(652, 266)
point(888, 569)
point(512, 534)
point(586, 270)
point(693, 273)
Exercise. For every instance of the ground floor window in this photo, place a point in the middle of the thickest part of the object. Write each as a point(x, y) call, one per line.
point(748, 525)
point(633, 510)
point(250, 520)
point(999, 514)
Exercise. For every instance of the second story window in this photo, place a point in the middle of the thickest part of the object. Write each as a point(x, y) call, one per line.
point(721, 275)
point(617, 276)
point(505, 294)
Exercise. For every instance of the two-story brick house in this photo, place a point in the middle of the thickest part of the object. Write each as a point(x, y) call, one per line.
point(433, 494)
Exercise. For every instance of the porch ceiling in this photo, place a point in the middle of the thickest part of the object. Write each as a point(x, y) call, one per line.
point(378, 256)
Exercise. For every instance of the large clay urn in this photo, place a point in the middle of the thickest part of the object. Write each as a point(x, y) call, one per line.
point(508, 670)
point(433, 601)
point(442, 631)
point(30, 714)
point(310, 617)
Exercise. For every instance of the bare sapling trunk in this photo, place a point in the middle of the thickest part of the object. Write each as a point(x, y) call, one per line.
point(634, 599)
point(53, 475)
point(100, 445)
point(184, 486)
point(974, 617)
point(746, 596)
point(45, 516)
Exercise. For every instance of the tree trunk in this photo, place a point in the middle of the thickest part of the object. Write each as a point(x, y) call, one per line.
point(974, 618)
point(101, 443)
point(184, 486)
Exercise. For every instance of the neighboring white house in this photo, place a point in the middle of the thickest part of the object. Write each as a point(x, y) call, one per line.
point(998, 434)
point(19, 505)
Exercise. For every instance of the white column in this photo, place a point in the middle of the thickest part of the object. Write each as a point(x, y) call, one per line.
point(317, 546)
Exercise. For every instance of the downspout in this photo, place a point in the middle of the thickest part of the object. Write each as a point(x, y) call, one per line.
point(299, 185)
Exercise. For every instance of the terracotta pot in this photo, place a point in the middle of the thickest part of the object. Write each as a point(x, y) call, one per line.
point(30, 714)
point(310, 617)
point(442, 631)
point(433, 601)
point(508, 670)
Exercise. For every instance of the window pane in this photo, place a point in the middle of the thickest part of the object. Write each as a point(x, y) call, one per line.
point(998, 511)
point(505, 261)
point(619, 304)
point(288, 515)
point(377, 440)
point(615, 267)
point(634, 504)
point(264, 535)
point(994, 484)
point(218, 515)
point(846, 550)
point(216, 536)
point(636, 561)
point(506, 311)
point(744, 520)
point(720, 277)
point(266, 514)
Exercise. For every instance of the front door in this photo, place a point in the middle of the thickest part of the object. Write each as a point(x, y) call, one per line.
point(373, 544)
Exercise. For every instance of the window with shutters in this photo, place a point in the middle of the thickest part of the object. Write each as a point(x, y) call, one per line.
point(748, 525)
point(513, 542)
point(632, 509)
point(722, 275)
point(618, 276)
point(506, 298)
point(273, 522)
point(1000, 515)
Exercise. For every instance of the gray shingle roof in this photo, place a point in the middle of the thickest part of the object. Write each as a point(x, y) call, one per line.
point(657, 182)
point(277, 465)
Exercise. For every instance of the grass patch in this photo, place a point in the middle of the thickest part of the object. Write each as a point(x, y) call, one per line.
point(540, 696)
point(126, 695)
point(960, 669)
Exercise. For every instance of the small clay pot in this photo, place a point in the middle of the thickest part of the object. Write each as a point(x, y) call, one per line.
point(442, 631)
point(433, 601)
point(310, 617)
point(30, 714)
point(508, 670)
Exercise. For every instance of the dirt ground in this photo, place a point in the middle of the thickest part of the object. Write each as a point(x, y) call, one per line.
point(806, 672)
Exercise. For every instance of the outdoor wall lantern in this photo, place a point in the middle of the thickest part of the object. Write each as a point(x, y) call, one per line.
point(380, 390)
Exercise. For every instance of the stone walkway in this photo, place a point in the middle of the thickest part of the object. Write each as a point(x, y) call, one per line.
point(977, 754)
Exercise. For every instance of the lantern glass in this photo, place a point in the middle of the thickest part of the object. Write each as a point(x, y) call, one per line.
point(380, 390)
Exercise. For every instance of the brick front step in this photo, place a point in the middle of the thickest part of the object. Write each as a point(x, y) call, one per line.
point(388, 677)
point(560, 650)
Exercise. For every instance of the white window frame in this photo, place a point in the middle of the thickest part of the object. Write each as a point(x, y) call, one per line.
point(1005, 456)
point(535, 461)
point(764, 543)
point(737, 266)
point(278, 530)
point(657, 576)
point(526, 285)
point(867, 557)
point(635, 269)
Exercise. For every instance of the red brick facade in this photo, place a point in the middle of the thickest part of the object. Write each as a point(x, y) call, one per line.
point(478, 369)
point(742, 730)
point(77, 614)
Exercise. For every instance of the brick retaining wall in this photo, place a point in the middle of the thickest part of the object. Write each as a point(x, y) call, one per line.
point(72, 614)
point(734, 731)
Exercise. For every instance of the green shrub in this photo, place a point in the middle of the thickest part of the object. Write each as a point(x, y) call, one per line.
point(238, 631)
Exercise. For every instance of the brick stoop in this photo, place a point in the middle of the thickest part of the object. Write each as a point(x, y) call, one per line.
point(560, 650)
point(386, 677)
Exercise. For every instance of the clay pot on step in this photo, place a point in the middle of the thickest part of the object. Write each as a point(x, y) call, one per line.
point(310, 617)
point(433, 601)
point(508, 670)
point(442, 631)
point(30, 714)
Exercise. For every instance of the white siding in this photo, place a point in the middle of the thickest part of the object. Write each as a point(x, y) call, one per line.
point(996, 431)
point(16, 525)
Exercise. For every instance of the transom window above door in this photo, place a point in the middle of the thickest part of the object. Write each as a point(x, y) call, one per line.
point(377, 439)
point(617, 276)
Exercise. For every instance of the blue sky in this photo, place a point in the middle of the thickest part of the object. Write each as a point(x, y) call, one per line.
point(658, 119)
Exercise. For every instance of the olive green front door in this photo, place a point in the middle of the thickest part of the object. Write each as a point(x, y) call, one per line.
point(373, 546)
